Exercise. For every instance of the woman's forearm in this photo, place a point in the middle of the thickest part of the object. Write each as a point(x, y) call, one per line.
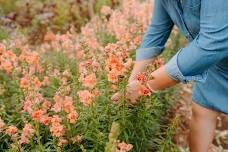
point(139, 66)
point(161, 80)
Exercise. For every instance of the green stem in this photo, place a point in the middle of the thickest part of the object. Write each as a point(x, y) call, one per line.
point(39, 137)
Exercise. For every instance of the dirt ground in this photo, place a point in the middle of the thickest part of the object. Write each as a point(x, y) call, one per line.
point(183, 108)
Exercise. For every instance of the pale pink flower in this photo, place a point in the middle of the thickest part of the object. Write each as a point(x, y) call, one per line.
point(106, 10)
point(57, 130)
point(56, 119)
point(124, 147)
point(27, 133)
point(76, 139)
point(46, 81)
point(46, 104)
point(62, 142)
point(89, 81)
point(86, 97)
point(58, 103)
point(80, 54)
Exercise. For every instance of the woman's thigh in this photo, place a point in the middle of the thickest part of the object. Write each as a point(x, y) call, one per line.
point(213, 93)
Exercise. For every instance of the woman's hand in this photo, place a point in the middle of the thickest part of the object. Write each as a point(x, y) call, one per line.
point(132, 93)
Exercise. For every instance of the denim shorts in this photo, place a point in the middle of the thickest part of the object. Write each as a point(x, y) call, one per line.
point(213, 94)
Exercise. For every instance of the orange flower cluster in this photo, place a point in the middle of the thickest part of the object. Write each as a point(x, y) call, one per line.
point(142, 78)
point(57, 129)
point(11, 130)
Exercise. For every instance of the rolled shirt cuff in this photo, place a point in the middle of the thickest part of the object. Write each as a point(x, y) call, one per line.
point(173, 71)
point(147, 53)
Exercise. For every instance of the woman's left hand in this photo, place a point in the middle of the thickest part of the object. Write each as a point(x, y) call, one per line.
point(132, 93)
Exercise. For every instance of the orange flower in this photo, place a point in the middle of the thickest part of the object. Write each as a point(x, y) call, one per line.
point(96, 92)
point(73, 116)
point(141, 77)
point(11, 130)
point(144, 91)
point(137, 40)
point(45, 120)
point(114, 87)
point(24, 83)
point(7, 66)
point(112, 62)
point(33, 58)
point(68, 104)
point(49, 37)
point(120, 68)
point(112, 77)
point(36, 115)
point(37, 83)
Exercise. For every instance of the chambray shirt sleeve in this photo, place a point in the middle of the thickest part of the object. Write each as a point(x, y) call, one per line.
point(156, 33)
point(209, 47)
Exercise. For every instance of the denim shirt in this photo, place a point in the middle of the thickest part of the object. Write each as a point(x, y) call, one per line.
point(203, 22)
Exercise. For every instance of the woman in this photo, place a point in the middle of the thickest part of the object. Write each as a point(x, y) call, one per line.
point(204, 60)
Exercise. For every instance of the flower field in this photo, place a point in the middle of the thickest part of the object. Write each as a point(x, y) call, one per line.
point(57, 96)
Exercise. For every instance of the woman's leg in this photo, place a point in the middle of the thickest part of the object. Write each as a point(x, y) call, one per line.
point(202, 127)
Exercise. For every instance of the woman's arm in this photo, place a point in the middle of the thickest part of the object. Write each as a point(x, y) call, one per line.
point(153, 43)
point(208, 48)
point(139, 66)
point(154, 39)
point(161, 80)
